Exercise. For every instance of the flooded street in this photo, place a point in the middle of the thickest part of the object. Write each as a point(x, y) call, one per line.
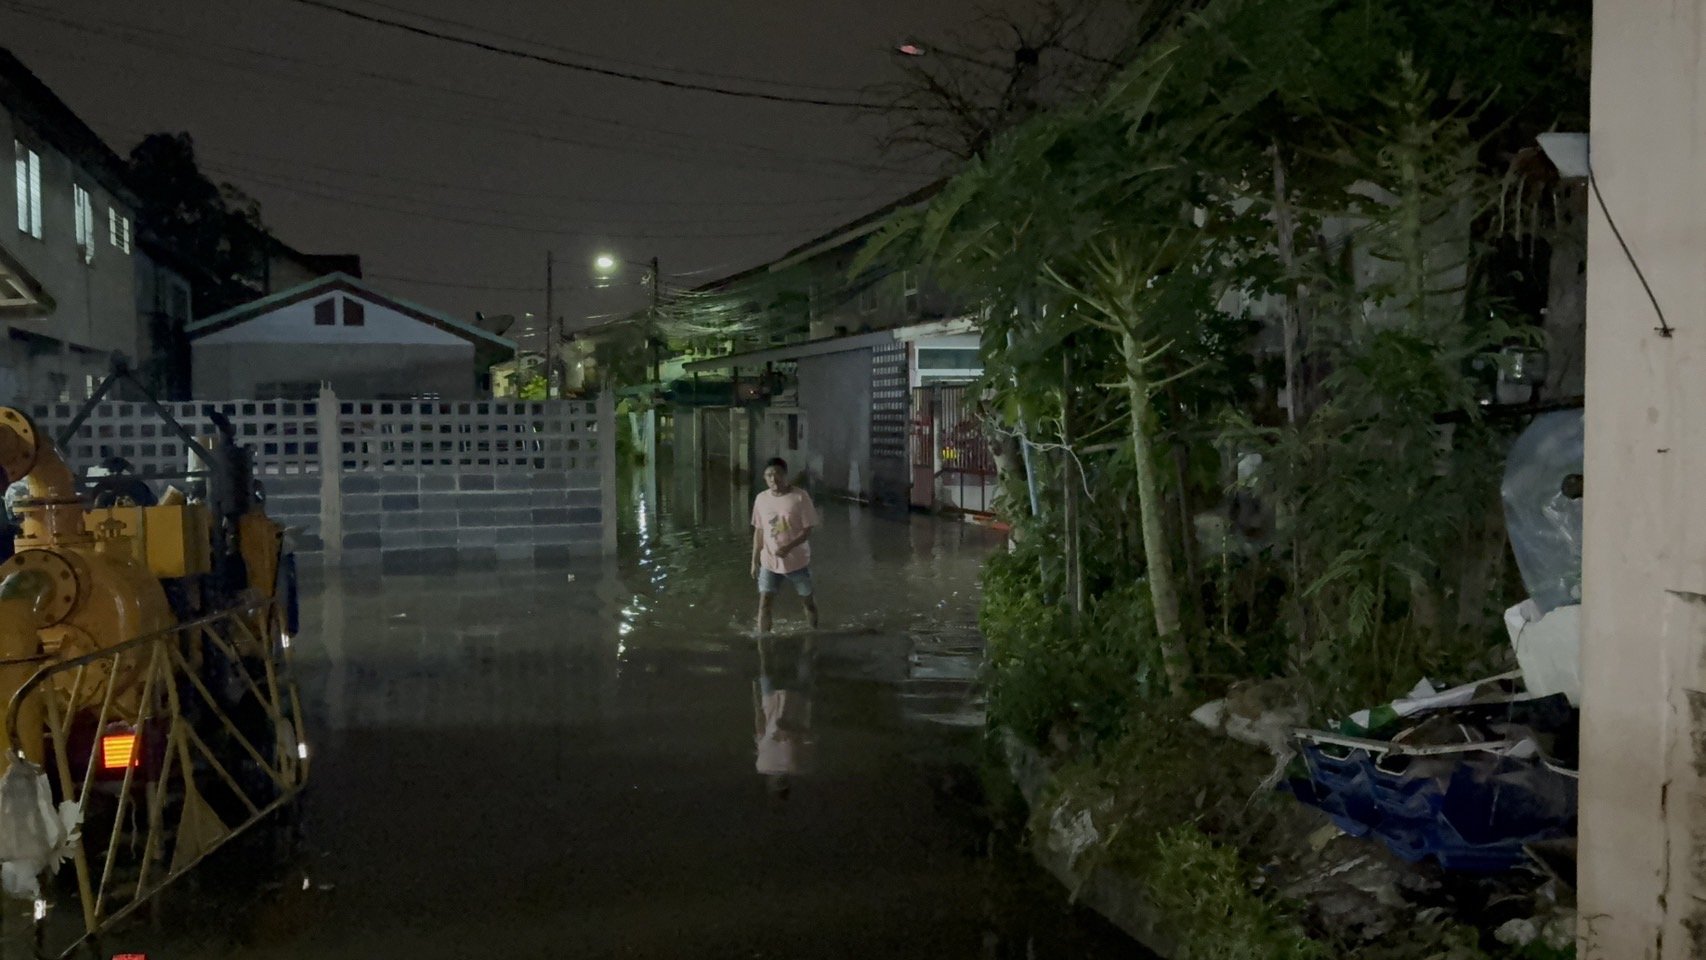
point(561, 762)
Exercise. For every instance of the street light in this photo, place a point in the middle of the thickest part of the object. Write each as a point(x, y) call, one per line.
point(606, 264)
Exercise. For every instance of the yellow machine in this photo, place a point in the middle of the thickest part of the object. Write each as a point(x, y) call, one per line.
point(144, 671)
point(86, 579)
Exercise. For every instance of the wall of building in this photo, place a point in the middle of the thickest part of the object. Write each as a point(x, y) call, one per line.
point(238, 371)
point(95, 302)
point(835, 396)
point(1642, 879)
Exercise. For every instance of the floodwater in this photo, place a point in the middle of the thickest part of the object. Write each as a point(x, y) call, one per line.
point(527, 762)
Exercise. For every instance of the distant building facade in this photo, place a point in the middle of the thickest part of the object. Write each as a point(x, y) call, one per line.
point(68, 271)
point(337, 329)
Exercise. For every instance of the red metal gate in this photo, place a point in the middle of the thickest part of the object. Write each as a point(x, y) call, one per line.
point(953, 465)
point(924, 448)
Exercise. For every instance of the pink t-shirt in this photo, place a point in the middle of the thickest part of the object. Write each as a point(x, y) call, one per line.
point(782, 517)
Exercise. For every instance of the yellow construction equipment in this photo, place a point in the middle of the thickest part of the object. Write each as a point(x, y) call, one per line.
point(143, 661)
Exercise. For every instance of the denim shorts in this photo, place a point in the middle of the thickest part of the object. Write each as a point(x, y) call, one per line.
point(770, 581)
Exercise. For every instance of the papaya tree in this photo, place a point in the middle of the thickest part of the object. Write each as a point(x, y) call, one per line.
point(1111, 212)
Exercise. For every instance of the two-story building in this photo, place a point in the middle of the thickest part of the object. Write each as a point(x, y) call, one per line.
point(68, 273)
point(852, 379)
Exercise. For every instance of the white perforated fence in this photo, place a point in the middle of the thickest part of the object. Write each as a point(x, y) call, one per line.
point(283, 434)
point(387, 436)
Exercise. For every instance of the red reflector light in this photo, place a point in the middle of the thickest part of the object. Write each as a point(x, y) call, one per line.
point(130, 956)
point(118, 751)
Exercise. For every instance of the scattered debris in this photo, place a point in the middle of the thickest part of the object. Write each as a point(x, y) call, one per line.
point(1468, 777)
point(1072, 833)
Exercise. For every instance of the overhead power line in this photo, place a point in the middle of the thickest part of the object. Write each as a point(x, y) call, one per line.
point(584, 67)
point(485, 287)
point(602, 200)
point(685, 153)
point(653, 67)
point(354, 201)
point(240, 172)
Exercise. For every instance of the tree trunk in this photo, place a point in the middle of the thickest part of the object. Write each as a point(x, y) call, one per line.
point(1163, 591)
point(1291, 315)
point(1187, 519)
point(1070, 482)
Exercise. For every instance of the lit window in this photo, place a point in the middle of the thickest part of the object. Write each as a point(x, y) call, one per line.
point(28, 164)
point(85, 211)
point(118, 229)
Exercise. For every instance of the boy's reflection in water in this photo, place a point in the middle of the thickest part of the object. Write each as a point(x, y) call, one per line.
point(782, 711)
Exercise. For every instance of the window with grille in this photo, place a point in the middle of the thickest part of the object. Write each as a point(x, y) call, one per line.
point(28, 165)
point(118, 229)
point(84, 208)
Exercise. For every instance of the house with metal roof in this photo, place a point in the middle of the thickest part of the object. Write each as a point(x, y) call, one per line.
point(339, 330)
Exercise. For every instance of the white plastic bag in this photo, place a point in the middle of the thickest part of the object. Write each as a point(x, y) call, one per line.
point(34, 837)
point(1548, 648)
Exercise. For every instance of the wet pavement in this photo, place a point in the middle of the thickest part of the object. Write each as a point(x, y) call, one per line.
point(523, 762)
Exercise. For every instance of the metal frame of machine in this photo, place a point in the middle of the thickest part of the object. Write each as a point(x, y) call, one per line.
point(145, 652)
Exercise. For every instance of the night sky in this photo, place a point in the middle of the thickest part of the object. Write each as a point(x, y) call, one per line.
point(452, 171)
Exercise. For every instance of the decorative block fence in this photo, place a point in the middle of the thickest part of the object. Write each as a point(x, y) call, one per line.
point(407, 485)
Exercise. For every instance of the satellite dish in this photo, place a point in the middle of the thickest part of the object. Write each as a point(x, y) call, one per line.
point(499, 324)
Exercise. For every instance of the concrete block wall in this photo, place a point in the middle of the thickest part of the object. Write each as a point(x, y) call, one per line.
point(294, 502)
point(407, 522)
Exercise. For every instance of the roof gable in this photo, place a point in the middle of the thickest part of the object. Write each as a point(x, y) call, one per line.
point(349, 286)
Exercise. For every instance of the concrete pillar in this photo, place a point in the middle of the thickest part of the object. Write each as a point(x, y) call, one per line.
point(650, 438)
point(331, 476)
point(607, 468)
point(1643, 852)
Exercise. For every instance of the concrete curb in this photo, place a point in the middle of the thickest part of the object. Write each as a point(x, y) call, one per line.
point(1117, 897)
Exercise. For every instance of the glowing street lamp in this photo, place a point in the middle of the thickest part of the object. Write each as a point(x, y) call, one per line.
point(604, 263)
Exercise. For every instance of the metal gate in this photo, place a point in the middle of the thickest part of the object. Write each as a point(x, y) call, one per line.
point(890, 371)
point(925, 460)
point(165, 747)
point(953, 463)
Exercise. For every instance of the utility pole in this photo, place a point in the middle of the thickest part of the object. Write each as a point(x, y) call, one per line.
point(550, 328)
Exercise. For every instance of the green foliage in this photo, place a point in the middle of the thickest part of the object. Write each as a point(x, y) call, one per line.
point(534, 388)
point(1051, 668)
point(1325, 165)
point(1278, 199)
point(1204, 890)
point(1182, 843)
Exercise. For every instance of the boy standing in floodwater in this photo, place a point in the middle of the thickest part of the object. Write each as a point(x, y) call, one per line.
point(782, 520)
